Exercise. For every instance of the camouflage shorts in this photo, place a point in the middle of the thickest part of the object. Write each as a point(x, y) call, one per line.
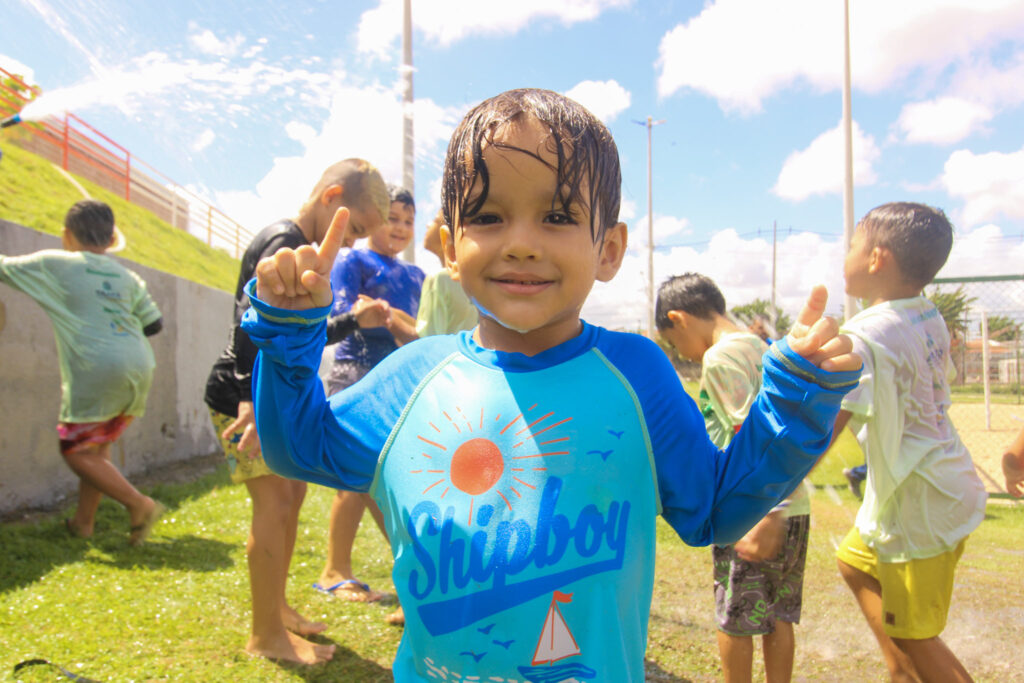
point(751, 596)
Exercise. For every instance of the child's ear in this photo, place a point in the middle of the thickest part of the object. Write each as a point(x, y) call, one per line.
point(448, 249)
point(613, 250)
point(332, 192)
point(879, 258)
point(679, 319)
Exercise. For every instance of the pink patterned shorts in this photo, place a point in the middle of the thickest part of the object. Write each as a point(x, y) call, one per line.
point(78, 436)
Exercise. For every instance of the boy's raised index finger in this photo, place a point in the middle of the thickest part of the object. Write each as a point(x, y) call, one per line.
point(334, 238)
point(815, 306)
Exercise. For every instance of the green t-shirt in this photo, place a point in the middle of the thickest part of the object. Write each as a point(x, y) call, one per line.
point(444, 307)
point(730, 378)
point(98, 309)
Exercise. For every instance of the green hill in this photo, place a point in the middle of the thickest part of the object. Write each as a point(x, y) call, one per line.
point(33, 193)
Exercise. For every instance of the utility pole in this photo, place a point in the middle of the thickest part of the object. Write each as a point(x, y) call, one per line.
point(650, 123)
point(772, 310)
point(849, 303)
point(408, 146)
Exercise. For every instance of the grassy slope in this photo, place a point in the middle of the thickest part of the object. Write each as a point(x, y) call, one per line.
point(34, 194)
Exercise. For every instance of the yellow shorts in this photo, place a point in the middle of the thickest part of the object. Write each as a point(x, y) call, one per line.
point(915, 594)
point(242, 467)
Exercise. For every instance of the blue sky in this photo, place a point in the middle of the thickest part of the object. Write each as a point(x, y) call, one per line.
point(245, 103)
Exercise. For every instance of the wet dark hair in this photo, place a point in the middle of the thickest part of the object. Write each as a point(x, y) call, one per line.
point(919, 236)
point(584, 147)
point(397, 193)
point(691, 293)
point(91, 222)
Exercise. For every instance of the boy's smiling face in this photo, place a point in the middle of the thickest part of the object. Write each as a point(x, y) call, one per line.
point(397, 232)
point(526, 263)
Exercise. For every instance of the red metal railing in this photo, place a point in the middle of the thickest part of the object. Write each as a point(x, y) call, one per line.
point(82, 149)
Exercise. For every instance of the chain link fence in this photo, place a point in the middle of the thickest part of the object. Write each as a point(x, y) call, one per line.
point(985, 316)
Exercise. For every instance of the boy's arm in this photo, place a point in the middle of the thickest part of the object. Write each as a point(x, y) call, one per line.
point(731, 392)
point(297, 431)
point(713, 497)
point(1013, 466)
point(154, 327)
point(345, 282)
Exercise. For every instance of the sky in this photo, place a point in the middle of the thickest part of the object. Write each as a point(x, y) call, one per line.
point(246, 104)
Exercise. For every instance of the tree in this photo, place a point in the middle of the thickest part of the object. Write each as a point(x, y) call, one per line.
point(953, 308)
point(1003, 328)
point(747, 312)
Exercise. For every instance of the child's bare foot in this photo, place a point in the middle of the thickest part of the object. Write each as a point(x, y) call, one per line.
point(296, 623)
point(290, 648)
point(396, 618)
point(144, 519)
point(77, 530)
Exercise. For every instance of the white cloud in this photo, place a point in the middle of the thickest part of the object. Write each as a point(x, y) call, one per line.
point(942, 121)
point(741, 267)
point(444, 22)
point(986, 250)
point(211, 88)
point(991, 184)
point(300, 132)
point(818, 169)
point(665, 228)
point(627, 210)
point(363, 122)
point(604, 99)
point(742, 51)
point(204, 140)
point(208, 43)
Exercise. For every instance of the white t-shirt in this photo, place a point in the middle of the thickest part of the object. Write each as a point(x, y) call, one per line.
point(923, 495)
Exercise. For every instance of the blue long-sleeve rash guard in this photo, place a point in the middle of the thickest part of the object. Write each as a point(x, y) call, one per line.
point(520, 492)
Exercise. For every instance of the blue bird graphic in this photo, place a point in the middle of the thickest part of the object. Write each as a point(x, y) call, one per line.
point(476, 657)
point(617, 435)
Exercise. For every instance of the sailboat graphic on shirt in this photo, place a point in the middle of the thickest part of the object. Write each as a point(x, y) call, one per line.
point(556, 643)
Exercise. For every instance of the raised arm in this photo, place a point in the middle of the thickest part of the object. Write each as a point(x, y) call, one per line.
point(710, 496)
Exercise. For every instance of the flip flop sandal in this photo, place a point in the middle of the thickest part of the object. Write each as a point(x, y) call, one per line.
point(360, 593)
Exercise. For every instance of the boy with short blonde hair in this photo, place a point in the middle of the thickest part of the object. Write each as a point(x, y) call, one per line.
point(279, 631)
point(923, 496)
point(520, 467)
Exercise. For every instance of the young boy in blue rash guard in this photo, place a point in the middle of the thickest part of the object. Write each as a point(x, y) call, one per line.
point(520, 466)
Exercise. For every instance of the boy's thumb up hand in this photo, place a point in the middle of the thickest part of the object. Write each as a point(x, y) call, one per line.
point(816, 337)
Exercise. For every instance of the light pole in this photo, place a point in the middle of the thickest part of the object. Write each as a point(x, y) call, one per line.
point(849, 303)
point(408, 147)
point(650, 123)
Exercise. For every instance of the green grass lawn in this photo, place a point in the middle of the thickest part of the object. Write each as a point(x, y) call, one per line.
point(178, 607)
point(33, 193)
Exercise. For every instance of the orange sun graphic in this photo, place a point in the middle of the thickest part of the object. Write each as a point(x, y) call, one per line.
point(485, 466)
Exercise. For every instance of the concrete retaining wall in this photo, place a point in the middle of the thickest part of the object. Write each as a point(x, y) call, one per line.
point(176, 425)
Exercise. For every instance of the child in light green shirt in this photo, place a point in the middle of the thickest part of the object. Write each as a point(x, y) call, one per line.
point(101, 315)
point(758, 579)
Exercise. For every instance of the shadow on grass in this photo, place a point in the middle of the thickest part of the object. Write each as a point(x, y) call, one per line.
point(33, 549)
point(654, 673)
point(346, 665)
